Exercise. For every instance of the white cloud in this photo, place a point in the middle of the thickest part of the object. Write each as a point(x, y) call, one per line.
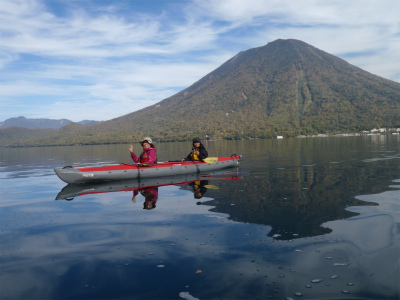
point(305, 12)
point(31, 30)
point(109, 91)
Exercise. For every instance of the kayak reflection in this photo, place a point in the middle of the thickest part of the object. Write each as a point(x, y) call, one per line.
point(147, 187)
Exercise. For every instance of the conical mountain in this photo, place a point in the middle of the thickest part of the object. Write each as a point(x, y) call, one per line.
point(287, 87)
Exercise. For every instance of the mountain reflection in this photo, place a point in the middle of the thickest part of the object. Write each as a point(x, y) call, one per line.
point(297, 201)
point(294, 201)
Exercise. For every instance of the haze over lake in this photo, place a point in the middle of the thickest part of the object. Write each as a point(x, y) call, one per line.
point(315, 218)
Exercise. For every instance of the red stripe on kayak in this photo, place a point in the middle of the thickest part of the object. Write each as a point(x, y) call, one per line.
point(109, 168)
point(160, 165)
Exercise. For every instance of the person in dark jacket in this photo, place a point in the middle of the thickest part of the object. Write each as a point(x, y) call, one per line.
point(198, 151)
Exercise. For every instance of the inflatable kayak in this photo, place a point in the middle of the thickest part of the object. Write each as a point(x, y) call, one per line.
point(70, 191)
point(138, 171)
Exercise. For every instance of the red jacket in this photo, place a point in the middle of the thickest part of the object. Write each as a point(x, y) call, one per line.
point(148, 156)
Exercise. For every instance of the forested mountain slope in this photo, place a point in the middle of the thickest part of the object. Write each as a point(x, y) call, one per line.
point(287, 87)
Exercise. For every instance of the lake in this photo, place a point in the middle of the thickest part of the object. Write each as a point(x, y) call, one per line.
point(309, 218)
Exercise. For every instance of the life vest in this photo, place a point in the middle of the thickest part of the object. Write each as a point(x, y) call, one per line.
point(144, 157)
point(194, 156)
point(151, 194)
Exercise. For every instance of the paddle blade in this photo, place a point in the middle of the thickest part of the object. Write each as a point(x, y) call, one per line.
point(211, 187)
point(211, 160)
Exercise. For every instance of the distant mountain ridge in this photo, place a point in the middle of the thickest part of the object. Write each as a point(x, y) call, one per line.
point(39, 123)
point(284, 88)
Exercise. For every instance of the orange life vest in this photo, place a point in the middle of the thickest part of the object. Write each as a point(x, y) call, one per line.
point(144, 157)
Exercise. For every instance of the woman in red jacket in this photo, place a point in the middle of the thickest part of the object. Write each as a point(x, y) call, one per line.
point(149, 154)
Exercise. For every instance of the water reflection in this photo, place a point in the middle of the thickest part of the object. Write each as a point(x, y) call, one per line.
point(243, 241)
point(150, 194)
point(295, 202)
point(147, 187)
point(199, 188)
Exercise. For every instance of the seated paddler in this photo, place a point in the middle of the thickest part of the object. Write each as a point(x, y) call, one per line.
point(198, 151)
point(148, 155)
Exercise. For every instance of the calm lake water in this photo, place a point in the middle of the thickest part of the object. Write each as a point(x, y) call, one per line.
point(316, 218)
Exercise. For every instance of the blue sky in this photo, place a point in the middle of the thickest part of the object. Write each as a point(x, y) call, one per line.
point(100, 59)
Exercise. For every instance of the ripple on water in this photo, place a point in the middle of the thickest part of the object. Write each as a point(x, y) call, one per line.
point(340, 264)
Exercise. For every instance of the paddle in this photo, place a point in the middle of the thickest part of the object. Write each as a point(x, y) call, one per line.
point(211, 186)
point(211, 160)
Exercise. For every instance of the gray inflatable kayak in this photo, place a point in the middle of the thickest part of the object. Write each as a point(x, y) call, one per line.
point(136, 171)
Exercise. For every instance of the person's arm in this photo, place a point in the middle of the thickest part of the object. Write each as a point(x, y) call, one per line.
point(133, 155)
point(189, 157)
point(152, 157)
point(135, 193)
point(203, 153)
point(203, 188)
point(154, 192)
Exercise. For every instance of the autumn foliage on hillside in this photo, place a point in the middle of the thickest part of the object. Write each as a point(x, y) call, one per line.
point(286, 88)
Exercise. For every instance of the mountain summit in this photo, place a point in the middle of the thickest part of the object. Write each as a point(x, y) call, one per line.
point(287, 87)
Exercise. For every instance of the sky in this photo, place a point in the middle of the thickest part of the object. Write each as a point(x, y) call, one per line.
point(100, 59)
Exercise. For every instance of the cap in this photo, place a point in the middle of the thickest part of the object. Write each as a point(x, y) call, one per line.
point(196, 140)
point(149, 140)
